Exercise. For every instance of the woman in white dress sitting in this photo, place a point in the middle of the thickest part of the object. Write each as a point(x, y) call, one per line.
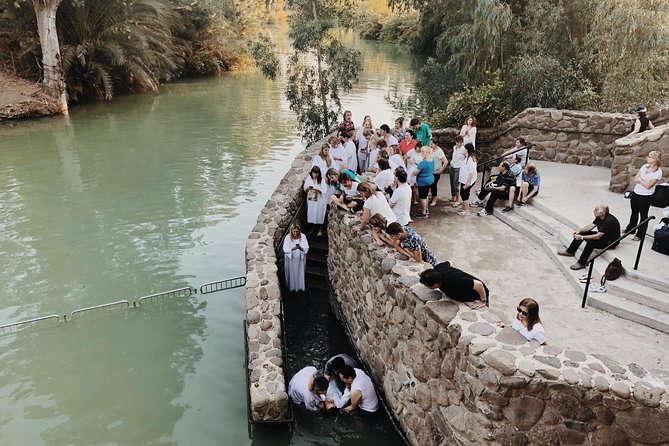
point(317, 199)
point(295, 248)
point(527, 321)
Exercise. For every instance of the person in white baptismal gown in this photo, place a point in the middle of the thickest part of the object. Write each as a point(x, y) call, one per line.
point(295, 248)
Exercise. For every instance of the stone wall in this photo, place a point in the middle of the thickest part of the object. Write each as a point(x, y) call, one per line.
point(452, 377)
point(631, 153)
point(565, 136)
point(268, 391)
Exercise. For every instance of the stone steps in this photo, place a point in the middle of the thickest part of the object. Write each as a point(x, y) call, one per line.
point(630, 297)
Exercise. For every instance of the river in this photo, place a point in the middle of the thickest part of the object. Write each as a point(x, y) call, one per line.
point(141, 195)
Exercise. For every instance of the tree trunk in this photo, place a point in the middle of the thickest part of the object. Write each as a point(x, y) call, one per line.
point(53, 82)
point(320, 78)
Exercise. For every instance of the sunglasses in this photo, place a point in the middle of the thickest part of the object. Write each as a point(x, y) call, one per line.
point(524, 313)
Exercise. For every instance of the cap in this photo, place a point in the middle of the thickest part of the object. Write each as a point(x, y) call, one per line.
point(641, 109)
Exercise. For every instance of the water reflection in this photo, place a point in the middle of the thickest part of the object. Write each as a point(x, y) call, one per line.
point(123, 199)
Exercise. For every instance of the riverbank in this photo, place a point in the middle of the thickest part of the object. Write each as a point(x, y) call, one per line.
point(21, 98)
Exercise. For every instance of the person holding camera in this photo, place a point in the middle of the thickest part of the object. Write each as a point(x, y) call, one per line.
point(295, 248)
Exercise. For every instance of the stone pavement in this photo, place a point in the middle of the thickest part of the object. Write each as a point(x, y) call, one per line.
point(515, 267)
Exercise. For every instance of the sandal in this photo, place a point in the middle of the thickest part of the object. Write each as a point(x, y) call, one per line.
point(636, 238)
point(464, 213)
point(457, 204)
point(476, 305)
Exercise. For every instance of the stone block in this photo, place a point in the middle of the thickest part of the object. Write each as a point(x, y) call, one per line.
point(644, 425)
point(575, 356)
point(501, 360)
point(523, 412)
point(609, 436)
point(511, 337)
point(442, 311)
point(482, 328)
point(570, 407)
point(548, 360)
point(620, 389)
point(647, 394)
point(526, 368)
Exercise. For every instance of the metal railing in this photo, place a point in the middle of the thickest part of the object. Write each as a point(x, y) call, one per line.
point(223, 285)
point(123, 305)
point(484, 166)
point(591, 260)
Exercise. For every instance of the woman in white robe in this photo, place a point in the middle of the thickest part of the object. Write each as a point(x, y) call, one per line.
point(317, 199)
point(295, 248)
point(323, 160)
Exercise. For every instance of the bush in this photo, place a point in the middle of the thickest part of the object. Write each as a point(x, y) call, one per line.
point(203, 63)
point(488, 102)
point(401, 29)
point(370, 25)
point(540, 81)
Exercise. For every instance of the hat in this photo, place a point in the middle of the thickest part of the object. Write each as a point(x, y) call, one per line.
point(640, 109)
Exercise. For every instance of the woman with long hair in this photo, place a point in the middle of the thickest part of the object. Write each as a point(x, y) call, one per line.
point(467, 178)
point(347, 124)
point(641, 123)
point(527, 321)
point(317, 199)
point(646, 179)
point(468, 131)
point(323, 160)
point(295, 248)
point(424, 179)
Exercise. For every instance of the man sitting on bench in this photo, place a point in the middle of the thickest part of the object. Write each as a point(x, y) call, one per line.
point(499, 188)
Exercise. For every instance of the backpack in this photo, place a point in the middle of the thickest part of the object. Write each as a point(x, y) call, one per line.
point(661, 243)
point(614, 269)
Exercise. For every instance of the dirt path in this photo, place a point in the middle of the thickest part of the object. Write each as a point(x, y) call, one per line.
point(20, 98)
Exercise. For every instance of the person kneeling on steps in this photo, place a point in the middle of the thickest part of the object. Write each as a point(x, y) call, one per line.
point(608, 230)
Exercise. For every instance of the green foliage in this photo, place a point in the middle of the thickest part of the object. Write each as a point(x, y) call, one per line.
point(321, 68)
point(203, 63)
point(434, 85)
point(402, 29)
point(540, 81)
point(265, 59)
point(488, 102)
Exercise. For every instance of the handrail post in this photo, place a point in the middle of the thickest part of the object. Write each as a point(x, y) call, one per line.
point(638, 252)
point(587, 283)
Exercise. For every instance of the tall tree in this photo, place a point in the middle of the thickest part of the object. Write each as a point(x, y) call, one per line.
point(52, 65)
point(320, 68)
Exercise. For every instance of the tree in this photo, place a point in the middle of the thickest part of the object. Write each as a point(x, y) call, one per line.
point(320, 68)
point(53, 82)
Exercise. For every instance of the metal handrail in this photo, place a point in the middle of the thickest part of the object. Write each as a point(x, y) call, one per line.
point(16, 326)
point(483, 166)
point(172, 294)
point(591, 260)
point(108, 306)
point(221, 285)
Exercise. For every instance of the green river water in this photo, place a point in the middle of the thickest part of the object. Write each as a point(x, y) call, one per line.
point(140, 195)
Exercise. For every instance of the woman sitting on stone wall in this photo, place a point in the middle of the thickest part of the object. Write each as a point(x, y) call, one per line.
point(527, 321)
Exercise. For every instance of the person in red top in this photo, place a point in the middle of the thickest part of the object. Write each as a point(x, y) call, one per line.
point(409, 142)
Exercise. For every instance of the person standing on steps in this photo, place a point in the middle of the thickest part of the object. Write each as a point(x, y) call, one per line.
point(608, 230)
point(295, 248)
point(468, 131)
point(646, 179)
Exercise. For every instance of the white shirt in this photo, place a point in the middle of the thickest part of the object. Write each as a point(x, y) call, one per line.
point(647, 176)
point(391, 140)
point(437, 156)
point(298, 389)
point(322, 164)
point(468, 133)
point(396, 161)
point(338, 152)
point(351, 157)
point(384, 179)
point(372, 157)
point(467, 167)
point(417, 157)
point(369, 402)
point(459, 155)
point(537, 331)
point(402, 199)
point(353, 191)
point(377, 204)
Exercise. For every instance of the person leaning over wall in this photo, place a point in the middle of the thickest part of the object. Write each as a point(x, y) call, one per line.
point(456, 284)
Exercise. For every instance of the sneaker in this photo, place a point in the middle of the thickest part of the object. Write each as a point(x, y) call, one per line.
point(478, 204)
point(565, 253)
point(577, 266)
point(507, 209)
point(483, 213)
point(521, 204)
point(420, 214)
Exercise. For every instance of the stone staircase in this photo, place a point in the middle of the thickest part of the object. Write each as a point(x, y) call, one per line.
point(317, 264)
point(634, 296)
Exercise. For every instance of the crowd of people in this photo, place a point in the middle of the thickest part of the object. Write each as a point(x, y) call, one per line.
point(379, 173)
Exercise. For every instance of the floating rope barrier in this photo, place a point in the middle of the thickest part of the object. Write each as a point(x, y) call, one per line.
point(124, 305)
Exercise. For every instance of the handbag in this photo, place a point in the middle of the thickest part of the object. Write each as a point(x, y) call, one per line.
point(660, 197)
point(614, 270)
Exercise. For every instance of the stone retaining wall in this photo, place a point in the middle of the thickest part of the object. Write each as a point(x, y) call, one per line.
point(268, 392)
point(565, 136)
point(631, 153)
point(452, 377)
